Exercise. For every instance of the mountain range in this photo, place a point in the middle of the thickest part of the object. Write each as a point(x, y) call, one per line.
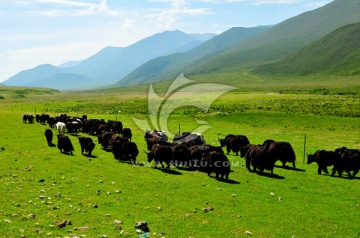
point(108, 65)
point(274, 44)
point(325, 40)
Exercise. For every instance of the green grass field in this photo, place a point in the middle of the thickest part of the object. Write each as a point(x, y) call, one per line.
point(93, 192)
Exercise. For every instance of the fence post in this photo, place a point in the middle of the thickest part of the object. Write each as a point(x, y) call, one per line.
point(304, 148)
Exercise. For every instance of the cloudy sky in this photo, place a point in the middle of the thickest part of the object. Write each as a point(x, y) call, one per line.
point(34, 32)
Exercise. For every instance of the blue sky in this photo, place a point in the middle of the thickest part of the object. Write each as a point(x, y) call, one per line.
point(34, 32)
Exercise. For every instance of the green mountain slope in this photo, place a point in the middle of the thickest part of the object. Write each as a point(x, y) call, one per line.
point(282, 40)
point(286, 38)
point(337, 53)
point(171, 66)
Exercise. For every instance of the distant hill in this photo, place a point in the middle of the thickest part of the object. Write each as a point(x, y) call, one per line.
point(108, 65)
point(64, 81)
point(69, 64)
point(337, 53)
point(272, 45)
point(27, 77)
point(170, 66)
point(112, 63)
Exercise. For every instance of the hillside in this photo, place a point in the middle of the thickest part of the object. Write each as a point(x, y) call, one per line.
point(337, 53)
point(64, 81)
point(26, 77)
point(110, 64)
point(113, 63)
point(272, 45)
point(286, 38)
point(172, 65)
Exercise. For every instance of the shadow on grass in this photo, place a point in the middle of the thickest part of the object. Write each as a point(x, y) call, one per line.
point(269, 175)
point(187, 168)
point(342, 177)
point(90, 156)
point(168, 171)
point(67, 154)
point(229, 181)
point(290, 168)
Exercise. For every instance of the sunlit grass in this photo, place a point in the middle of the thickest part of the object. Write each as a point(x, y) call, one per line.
point(297, 203)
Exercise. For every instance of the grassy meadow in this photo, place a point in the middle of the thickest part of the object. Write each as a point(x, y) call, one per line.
point(94, 192)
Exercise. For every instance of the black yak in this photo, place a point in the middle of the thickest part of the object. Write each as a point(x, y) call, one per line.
point(282, 151)
point(160, 154)
point(216, 162)
point(189, 139)
point(86, 144)
point(125, 150)
point(324, 159)
point(49, 136)
point(349, 161)
point(234, 143)
point(126, 133)
point(181, 155)
point(258, 157)
point(64, 144)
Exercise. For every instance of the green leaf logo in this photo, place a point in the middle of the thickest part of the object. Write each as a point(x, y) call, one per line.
point(182, 92)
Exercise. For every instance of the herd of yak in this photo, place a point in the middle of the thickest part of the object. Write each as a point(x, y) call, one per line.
point(188, 149)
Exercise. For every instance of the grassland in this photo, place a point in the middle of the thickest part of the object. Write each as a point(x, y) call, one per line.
point(37, 179)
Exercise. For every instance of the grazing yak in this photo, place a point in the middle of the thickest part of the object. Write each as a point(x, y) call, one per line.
point(156, 134)
point(60, 127)
point(282, 151)
point(234, 143)
point(86, 144)
point(73, 126)
point(258, 157)
point(160, 154)
point(126, 133)
point(197, 151)
point(181, 155)
point(49, 136)
point(43, 118)
point(216, 162)
point(324, 159)
point(115, 126)
point(90, 126)
point(155, 137)
point(190, 139)
point(64, 144)
point(28, 117)
point(349, 161)
point(104, 138)
point(152, 141)
point(125, 150)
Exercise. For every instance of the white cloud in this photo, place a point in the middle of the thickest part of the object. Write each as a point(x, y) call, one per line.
point(85, 8)
point(168, 17)
point(221, 1)
point(67, 2)
point(317, 4)
point(261, 2)
point(127, 25)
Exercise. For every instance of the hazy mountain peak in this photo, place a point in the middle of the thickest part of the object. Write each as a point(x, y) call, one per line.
point(109, 64)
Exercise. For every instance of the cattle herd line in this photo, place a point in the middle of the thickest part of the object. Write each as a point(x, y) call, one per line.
point(188, 149)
